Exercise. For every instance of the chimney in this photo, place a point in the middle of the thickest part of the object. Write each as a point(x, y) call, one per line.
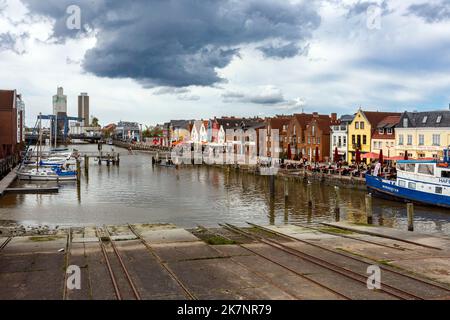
point(333, 116)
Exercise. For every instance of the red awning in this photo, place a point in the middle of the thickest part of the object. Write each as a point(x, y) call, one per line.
point(395, 158)
point(370, 155)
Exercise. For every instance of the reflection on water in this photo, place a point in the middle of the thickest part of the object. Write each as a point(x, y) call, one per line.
point(135, 192)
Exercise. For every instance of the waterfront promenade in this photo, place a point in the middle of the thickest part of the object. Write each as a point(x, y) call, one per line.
point(276, 262)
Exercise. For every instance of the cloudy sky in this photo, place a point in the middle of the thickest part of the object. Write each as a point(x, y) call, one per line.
point(154, 60)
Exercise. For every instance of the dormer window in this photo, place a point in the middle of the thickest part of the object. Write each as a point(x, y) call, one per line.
point(424, 120)
point(438, 120)
point(380, 130)
point(405, 123)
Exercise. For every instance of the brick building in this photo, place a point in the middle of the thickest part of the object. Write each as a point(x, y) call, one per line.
point(12, 123)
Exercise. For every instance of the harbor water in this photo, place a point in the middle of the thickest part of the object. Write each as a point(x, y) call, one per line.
point(136, 192)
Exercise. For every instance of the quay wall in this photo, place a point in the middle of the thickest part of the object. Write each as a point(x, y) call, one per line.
point(332, 179)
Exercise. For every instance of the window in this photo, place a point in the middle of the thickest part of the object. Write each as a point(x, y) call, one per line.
point(409, 139)
point(410, 167)
point(405, 123)
point(380, 130)
point(424, 120)
point(318, 140)
point(353, 139)
point(436, 139)
point(364, 139)
point(421, 140)
point(402, 183)
point(445, 174)
point(295, 130)
point(400, 139)
point(336, 128)
point(340, 142)
point(438, 120)
point(356, 125)
point(361, 125)
point(389, 131)
point(401, 167)
point(426, 169)
point(309, 140)
point(438, 190)
point(411, 185)
point(345, 141)
point(334, 140)
point(313, 130)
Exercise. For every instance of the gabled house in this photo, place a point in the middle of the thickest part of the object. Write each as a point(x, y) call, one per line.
point(296, 134)
point(384, 136)
point(339, 134)
point(361, 130)
point(423, 134)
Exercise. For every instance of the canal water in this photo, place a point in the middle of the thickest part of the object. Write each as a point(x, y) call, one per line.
point(134, 192)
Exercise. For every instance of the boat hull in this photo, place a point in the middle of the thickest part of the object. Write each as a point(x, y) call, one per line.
point(25, 176)
point(384, 189)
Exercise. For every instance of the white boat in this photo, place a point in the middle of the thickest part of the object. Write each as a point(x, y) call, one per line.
point(46, 174)
point(420, 181)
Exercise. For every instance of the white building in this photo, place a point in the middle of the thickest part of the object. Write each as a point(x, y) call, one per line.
point(59, 102)
point(339, 134)
point(199, 133)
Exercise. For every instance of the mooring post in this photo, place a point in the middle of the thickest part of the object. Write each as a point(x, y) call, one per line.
point(86, 164)
point(337, 209)
point(309, 194)
point(78, 170)
point(272, 185)
point(118, 158)
point(410, 212)
point(369, 208)
point(100, 158)
point(286, 189)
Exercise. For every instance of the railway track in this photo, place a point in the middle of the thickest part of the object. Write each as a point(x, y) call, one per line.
point(362, 261)
point(67, 261)
point(5, 243)
point(118, 292)
point(348, 237)
point(343, 296)
point(345, 272)
point(259, 274)
point(190, 295)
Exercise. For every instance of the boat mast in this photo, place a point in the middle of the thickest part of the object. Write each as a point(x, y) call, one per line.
point(39, 142)
point(56, 128)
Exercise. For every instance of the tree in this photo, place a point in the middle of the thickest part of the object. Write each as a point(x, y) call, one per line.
point(95, 122)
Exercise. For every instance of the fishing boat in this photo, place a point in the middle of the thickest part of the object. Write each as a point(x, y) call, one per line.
point(47, 174)
point(420, 181)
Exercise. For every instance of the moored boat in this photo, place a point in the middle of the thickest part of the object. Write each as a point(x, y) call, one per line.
point(421, 181)
point(47, 174)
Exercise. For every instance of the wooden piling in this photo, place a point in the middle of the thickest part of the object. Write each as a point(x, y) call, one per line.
point(272, 185)
point(78, 170)
point(369, 208)
point(118, 158)
point(86, 165)
point(309, 194)
point(410, 212)
point(100, 158)
point(337, 209)
point(286, 189)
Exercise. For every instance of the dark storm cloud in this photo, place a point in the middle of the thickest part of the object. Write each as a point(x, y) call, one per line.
point(269, 97)
point(431, 12)
point(284, 51)
point(180, 43)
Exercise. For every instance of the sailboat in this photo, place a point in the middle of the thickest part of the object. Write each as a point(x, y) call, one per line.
point(39, 173)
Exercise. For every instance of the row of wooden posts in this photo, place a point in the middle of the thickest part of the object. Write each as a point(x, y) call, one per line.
point(337, 210)
point(110, 159)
